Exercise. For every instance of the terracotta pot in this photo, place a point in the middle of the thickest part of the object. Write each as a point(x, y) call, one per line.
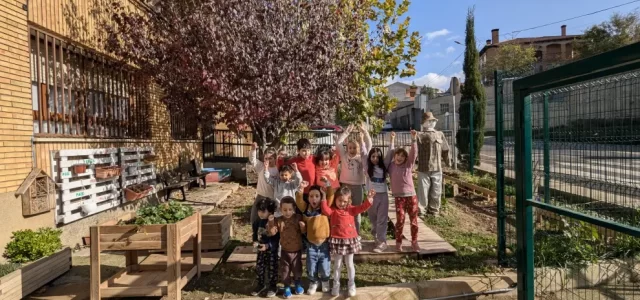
point(79, 169)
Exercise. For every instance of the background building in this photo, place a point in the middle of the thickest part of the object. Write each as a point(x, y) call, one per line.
point(549, 49)
point(59, 90)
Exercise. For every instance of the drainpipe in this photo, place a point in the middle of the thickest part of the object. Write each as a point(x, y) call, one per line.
point(490, 292)
point(33, 151)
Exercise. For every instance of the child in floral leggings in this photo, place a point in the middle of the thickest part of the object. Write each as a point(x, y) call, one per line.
point(401, 173)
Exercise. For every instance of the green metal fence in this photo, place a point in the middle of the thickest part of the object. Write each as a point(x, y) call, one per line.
point(504, 162)
point(576, 144)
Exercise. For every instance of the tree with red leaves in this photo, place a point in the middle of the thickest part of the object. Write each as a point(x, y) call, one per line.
point(268, 65)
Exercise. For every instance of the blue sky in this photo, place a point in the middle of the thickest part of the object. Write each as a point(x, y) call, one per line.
point(443, 22)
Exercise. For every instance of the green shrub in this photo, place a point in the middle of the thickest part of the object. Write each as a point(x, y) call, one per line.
point(8, 268)
point(166, 213)
point(28, 245)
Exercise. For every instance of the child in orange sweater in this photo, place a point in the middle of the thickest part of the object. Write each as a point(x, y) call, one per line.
point(317, 228)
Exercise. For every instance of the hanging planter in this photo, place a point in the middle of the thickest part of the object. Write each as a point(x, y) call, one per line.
point(108, 172)
point(137, 191)
point(149, 158)
point(79, 169)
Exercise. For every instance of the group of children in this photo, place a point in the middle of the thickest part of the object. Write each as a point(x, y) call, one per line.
point(313, 203)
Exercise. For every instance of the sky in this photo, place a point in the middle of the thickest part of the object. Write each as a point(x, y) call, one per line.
point(441, 23)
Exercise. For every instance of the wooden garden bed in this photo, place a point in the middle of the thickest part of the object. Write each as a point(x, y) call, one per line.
point(24, 281)
point(216, 231)
point(489, 194)
point(138, 280)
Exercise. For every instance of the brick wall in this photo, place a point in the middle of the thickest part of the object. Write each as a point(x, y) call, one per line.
point(17, 143)
point(16, 126)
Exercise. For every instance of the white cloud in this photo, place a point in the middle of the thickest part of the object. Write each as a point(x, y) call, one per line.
point(457, 62)
point(450, 49)
point(451, 38)
point(441, 82)
point(434, 34)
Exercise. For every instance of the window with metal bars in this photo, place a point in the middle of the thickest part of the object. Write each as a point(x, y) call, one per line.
point(182, 128)
point(77, 93)
point(444, 108)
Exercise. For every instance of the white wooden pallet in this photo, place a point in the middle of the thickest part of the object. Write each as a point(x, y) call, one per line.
point(77, 189)
point(134, 157)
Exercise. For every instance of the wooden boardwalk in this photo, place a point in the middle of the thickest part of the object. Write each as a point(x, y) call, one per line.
point(430, 244)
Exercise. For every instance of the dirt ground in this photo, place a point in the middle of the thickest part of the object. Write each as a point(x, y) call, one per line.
point(466, 224)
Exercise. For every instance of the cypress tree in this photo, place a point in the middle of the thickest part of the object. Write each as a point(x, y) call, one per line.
point(472, 91)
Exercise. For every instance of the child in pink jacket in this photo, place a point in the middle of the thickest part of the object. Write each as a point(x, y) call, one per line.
point(400, 167)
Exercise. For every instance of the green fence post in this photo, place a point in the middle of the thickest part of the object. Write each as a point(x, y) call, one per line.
point(524, 193)
point(547, 147)
point(472, 155)
point(499, 118)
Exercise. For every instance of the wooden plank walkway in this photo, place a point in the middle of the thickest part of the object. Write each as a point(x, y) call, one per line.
point(430, 244)
point(429, 241)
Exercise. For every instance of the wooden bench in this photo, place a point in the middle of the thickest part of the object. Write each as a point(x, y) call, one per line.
point(175, 180)
point(196, 172)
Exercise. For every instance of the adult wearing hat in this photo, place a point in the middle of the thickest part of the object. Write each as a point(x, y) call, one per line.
point(433, 149)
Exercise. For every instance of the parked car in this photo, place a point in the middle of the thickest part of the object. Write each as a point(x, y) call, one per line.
point(387, 127)
point(327, 128)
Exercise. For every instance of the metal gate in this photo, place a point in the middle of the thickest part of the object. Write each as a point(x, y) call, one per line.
point(576, 138)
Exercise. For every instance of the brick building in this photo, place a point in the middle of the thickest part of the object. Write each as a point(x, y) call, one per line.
point(549, 49)
point(58, 90)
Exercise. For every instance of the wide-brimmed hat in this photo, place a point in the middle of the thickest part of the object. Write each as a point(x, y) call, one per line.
point(428, 116)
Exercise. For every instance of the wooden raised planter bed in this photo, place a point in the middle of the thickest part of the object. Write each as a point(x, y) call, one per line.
point(216, 231)
point(24, 281)
point(145, 280)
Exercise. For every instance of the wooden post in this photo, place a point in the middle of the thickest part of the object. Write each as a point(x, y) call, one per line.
point(95, 263)
point(197, 247)
point(173, 262)
point(131, 258)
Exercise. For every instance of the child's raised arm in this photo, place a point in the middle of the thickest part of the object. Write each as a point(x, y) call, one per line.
point(367, 138)
point(297, 177)
point(389, 156)
point(302, 206)
point(266, 174)
point(329, 194)
point(253, 160)
point(356, 210)
point(326, 209)
point(340, 141)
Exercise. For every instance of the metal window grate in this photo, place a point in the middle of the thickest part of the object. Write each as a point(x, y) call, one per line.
point(77, 93)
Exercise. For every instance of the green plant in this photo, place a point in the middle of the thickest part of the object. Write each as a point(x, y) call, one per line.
point(165, 213)
point(8, 268)
point(28, 245)
point(574, 243)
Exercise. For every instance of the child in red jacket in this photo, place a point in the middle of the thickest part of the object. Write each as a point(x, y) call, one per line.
point(344, 241)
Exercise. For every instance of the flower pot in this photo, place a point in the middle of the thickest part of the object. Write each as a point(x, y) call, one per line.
point(149, 158)
point(131, 195)
point(79, 169)
point(108, 172)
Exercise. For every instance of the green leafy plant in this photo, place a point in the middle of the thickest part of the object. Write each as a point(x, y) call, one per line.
point(28, 245)
point(8, 268)
point(165, 213)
